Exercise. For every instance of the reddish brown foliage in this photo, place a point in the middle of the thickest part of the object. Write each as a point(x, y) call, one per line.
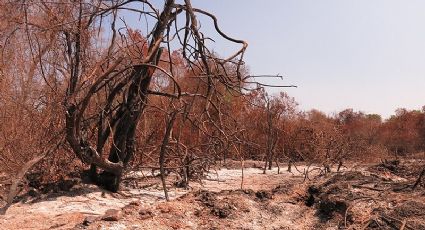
point(113, 100)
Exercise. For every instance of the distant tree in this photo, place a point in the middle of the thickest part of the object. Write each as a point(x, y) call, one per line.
point(401, 133)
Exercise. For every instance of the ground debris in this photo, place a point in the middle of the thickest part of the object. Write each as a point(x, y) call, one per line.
point(221, 208)
point(145, 213)
point(397, 169)
point(361, 199)
point(89, 220)
point(112, 215)
point(367, 200)
point(410, 208)
point(263, 195)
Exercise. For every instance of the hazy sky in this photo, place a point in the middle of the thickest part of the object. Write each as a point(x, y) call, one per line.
point(368, 55)
point(365, 54)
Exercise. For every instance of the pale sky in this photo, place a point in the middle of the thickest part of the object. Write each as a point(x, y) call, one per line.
point(363, 54)
point(368, 55)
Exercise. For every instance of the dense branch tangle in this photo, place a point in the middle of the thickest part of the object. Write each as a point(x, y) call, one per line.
point(109, 70)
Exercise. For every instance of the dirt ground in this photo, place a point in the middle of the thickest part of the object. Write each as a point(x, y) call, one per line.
point(359, 197)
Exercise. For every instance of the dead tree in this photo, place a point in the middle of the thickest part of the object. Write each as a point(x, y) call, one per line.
point(275, 109)
point(107, 88)
point(169, 127)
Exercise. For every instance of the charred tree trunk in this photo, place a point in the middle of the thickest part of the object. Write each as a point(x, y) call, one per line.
point(418, 181)
point(124, 136)
point(270, 161)
point(163, 150)
point(277, 165)
point(265, 165)
point(93, 173)
point(340, 163)
point(122, 122)
point(225, 156)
